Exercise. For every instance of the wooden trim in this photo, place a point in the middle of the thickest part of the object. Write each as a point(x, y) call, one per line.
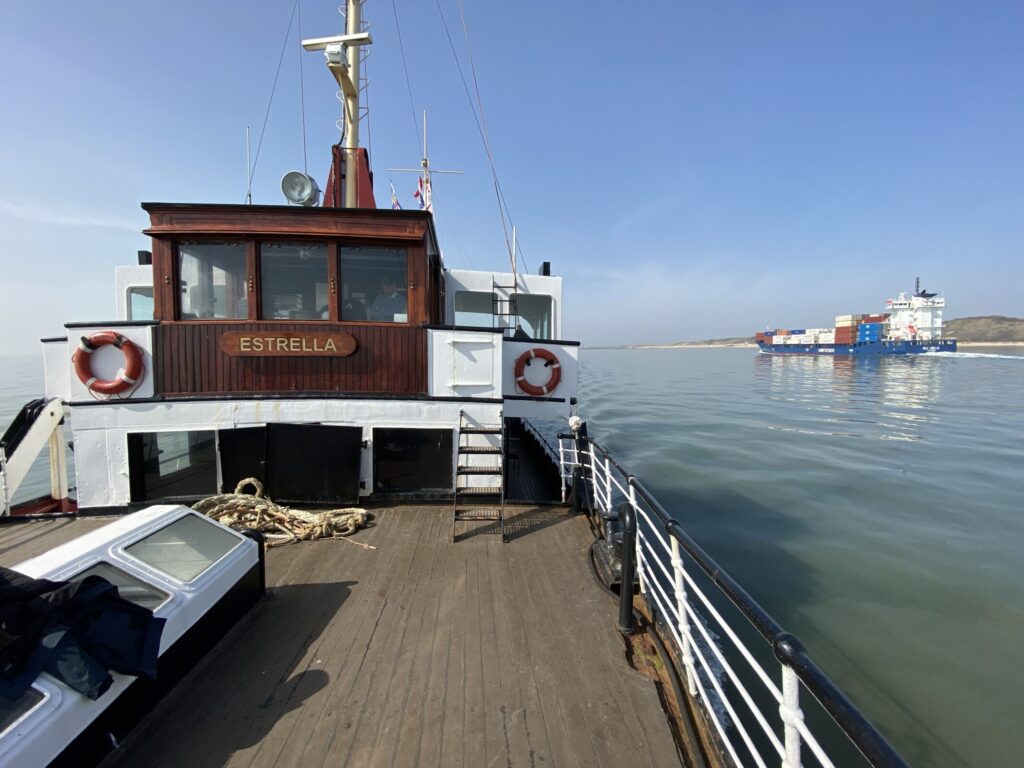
point(253, 293)
point(416, 262)
point(388, 359)
point(242, 221)
point(333, 281)
point(163, 280)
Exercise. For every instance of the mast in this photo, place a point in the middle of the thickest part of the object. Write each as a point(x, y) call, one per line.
point(353, 19)
point(342, 54)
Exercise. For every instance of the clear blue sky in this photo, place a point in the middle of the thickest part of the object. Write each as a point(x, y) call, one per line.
point(691, 169)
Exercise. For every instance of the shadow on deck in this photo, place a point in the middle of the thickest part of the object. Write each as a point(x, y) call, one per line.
point(420, 652)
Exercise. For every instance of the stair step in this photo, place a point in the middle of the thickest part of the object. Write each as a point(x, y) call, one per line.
point(480, 430)
point(479, 449)
point(478, 514)
point(479, 470)
point(488, 491)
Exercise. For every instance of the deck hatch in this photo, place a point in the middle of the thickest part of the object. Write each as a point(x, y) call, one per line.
point(129, 587)
point(12, 712)
point(184, 549)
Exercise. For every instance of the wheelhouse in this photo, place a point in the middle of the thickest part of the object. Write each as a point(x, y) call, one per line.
point(326, 351)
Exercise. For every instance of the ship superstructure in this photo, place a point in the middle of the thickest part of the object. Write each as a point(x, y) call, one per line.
point(911, 324)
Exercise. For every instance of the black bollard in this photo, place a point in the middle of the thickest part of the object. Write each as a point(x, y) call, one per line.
point(627, 517)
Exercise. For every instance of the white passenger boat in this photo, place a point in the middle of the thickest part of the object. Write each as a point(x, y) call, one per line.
point(328, 351)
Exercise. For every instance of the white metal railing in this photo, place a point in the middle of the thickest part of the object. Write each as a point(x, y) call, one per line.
point(758, 721)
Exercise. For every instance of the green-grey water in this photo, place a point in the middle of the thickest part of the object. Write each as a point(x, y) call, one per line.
point(874, 507)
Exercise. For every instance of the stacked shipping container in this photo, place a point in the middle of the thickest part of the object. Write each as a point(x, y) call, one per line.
point(849, 329)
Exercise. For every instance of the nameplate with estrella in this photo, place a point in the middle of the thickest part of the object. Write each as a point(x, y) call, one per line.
point(287, 344)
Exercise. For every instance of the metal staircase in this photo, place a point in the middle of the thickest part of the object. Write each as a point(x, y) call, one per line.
point(480, 454)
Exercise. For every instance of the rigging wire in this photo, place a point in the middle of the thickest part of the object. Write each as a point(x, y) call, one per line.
point(503, 212)
point(408, 82)
point(364, 75)
point(302, 89)
point(273, 89)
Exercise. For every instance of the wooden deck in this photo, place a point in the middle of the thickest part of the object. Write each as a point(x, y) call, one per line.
point(420, 652)
point(21, 540)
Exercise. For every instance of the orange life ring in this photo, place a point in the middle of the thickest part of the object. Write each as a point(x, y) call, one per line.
point(126, 378)
point(550, 361)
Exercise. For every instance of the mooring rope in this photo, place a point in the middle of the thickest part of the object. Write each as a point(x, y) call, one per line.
point(281, 525)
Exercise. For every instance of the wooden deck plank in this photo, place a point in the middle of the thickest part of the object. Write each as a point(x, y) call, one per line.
point(588, 746)
point(342, 654)
point(21, 540)
point(348, 659)
point(374, 743)
point(421, 652)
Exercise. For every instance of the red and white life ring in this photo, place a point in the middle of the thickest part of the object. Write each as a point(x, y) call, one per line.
point(126, 378)
point(550, 361)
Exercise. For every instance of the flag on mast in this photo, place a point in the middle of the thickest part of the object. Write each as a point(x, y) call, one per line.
point(394, 198)
point(423, 195)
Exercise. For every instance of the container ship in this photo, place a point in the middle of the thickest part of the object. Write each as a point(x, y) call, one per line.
point(911, 324)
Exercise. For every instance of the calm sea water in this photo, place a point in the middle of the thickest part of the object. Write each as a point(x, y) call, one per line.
point(874, 507)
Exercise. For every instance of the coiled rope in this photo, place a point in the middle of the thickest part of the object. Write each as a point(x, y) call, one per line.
point(282, 525)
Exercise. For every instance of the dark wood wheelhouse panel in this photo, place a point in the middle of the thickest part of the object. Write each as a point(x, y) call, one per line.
point(391, 358)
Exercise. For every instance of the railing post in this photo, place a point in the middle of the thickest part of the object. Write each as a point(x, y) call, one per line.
point(608, 484)
point(5, 502)
point(561, 466)
point(639, 565)
point(628, 520)
point(684, 619)
point(791, 715)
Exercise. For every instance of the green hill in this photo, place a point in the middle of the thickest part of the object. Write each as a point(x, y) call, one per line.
point(985, 328)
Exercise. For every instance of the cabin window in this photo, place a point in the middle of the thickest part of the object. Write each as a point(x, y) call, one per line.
point(129, 587)
point(13, 711)
point(475, 308)
point(407, 460)
point(212, 281)
point(185, 548)
point(164, 465)
point(140, 302)
point(293, 277)
point(534, 311)
point(374, 284)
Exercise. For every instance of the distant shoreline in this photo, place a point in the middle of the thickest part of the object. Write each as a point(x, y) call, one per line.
point(751, 345)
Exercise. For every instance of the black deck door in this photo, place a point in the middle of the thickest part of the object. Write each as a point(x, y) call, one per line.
point(313, 463)
point(243, 453)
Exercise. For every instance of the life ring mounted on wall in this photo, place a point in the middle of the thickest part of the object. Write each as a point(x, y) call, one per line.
point(550, 361)
point(126, 378)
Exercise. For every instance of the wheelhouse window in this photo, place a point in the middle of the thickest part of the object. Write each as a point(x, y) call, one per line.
point(374, 284)
point(475, 308)
point(293, 277)
point(140, 302)
point(534, 310)
point(212, 281)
